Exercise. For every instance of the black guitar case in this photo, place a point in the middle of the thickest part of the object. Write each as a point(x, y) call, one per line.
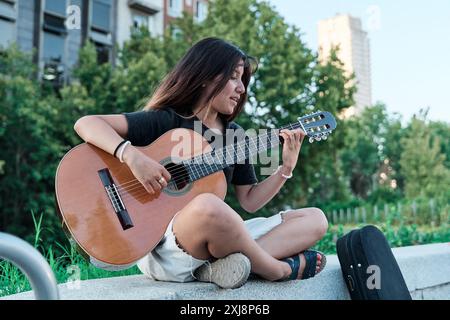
point(369, 267)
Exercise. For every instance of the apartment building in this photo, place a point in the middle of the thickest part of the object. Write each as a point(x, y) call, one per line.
point(346, 32)
point(57, 29)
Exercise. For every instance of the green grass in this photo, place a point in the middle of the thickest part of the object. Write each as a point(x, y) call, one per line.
point(67, 267)
point(70, 265)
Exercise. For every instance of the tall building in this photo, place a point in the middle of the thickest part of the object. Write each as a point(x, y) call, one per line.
point(346, 32)
point(57, 29)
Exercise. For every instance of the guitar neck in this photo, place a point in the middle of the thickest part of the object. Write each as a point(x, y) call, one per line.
point(245, 148)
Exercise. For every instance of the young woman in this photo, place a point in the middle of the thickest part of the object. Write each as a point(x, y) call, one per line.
point(209, 84)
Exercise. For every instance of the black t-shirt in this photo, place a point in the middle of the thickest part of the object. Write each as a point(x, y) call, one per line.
point(144, 127)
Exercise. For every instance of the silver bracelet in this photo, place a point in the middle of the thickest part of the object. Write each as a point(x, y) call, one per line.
point(283, 175)
point(122, 149)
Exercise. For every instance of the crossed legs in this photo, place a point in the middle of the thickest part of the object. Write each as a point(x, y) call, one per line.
point(207, 227)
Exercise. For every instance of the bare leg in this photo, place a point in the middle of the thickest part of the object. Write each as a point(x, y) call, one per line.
point(300, 230)
point(207, 227)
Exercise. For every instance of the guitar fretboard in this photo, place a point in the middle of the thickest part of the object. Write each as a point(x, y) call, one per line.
point(238, 152)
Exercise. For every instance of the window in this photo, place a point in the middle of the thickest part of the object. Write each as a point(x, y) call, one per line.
point(201, 10)
point(54, 73)
point(7, 11)
point(176, 33)
point(54, 41)
point(175, 8)
point(54, 24)
point(100, 34)
point(7, 36)
point(103, 52)
point(101, 15)
point(53, 56)
point(53, 47)
point(57, 7)
point(54, 35)
point(7, 23)
point(140, 20)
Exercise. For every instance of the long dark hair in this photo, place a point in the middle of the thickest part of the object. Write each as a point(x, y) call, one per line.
point(209, 58)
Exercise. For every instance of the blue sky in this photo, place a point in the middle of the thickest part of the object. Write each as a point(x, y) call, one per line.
point(410, 47)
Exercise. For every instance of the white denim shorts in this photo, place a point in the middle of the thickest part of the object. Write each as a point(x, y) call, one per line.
point(168, 262)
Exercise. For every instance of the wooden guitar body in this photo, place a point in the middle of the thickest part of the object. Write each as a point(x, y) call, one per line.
point(115, 221)
point(90, 214)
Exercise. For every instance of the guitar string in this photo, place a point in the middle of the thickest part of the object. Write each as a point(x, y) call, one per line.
point(173, 182)
point(191, 163)
point(211, 160)
point(117, 199)
point(140, 194)
point(143, 192)
point(202, 155)
point(192, 160)
point(198, 169)
point(236, 146)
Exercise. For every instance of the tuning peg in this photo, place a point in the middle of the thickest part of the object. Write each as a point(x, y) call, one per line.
point(311, 139)
point(318, 138)
point(325, 137)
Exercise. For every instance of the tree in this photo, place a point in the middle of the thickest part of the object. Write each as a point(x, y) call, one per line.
point(134, 85)
point(285, 87)
point(362, 153)
point(392, 150)
point(28, 148)
point(441, 130)
point(322, 173)
point(422, 162)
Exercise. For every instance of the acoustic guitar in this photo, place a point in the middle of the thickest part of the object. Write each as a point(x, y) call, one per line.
point(115, 221)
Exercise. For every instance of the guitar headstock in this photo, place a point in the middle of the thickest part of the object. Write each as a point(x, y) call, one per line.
point(318, 125)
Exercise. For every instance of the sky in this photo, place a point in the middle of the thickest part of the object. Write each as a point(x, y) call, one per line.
point(410, 48)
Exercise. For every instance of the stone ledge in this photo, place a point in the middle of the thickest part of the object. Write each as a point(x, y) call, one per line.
point(426, 270)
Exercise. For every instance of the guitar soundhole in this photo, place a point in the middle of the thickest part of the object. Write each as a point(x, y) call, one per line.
point(179, 176)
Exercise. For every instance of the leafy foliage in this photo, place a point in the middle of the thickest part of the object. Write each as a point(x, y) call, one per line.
point(36, 123)
point(423, 163)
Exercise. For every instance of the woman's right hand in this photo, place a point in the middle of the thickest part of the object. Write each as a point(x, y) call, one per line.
point(146, 170)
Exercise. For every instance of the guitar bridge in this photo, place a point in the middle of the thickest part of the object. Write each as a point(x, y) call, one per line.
point(115, 199)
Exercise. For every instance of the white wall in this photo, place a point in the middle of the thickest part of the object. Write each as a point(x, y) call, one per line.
point(125, 19)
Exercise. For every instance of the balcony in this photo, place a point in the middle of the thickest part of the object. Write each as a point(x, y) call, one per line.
point(147, 6)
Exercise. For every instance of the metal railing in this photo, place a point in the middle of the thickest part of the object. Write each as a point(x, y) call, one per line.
point(32, 264)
